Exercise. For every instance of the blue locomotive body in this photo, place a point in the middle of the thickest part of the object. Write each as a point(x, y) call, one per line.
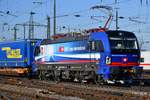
point(110, 56)
point(17, 57)
point(74, 51)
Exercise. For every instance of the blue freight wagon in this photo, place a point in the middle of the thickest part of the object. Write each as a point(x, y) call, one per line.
point(16, 57)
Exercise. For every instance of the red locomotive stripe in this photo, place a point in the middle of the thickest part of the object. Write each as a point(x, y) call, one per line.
point(68, 61)
point(80, 61)
point(145, 64)
point(124, 64)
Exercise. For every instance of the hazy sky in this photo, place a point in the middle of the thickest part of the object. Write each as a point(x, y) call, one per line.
point(136, 16)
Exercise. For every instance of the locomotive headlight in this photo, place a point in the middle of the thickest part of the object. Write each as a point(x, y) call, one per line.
point(108, 60)
point(125, 59)
point(132, 71)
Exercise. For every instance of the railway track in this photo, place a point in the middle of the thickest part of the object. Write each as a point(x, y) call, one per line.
point(4, 96)
point(86, 91)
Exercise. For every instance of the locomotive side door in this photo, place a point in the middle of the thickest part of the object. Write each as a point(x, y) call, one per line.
point(91, 50)
point(95, 48)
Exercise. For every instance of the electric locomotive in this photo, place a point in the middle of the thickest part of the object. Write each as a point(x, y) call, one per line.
point(101, 56)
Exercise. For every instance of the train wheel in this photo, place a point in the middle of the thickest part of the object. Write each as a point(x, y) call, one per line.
point(41, 75)
point(72, 76)
point(81, 77)
point(99, 80)
point(141, 83)
point(57, 76)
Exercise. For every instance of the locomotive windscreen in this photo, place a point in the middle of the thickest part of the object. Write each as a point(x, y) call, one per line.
point(123, 42)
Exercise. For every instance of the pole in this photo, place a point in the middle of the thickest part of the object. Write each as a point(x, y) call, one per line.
point(54, 17)
point(117, 19)
point(15, 33)
point(31, 26)
point(48, 27)
point(24, 35)
point(32, 29)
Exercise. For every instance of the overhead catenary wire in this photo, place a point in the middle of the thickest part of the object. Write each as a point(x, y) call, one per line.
point(45, 2)
point(36, 7)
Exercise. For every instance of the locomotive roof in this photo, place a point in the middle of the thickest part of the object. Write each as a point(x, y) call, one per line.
point(64, 39)
point(70, 38)
point(116, 31)
point(124, 33)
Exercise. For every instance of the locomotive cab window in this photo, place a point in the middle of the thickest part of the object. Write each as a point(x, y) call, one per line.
point(37, 51)
point(96, 46)
point(123, 42)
